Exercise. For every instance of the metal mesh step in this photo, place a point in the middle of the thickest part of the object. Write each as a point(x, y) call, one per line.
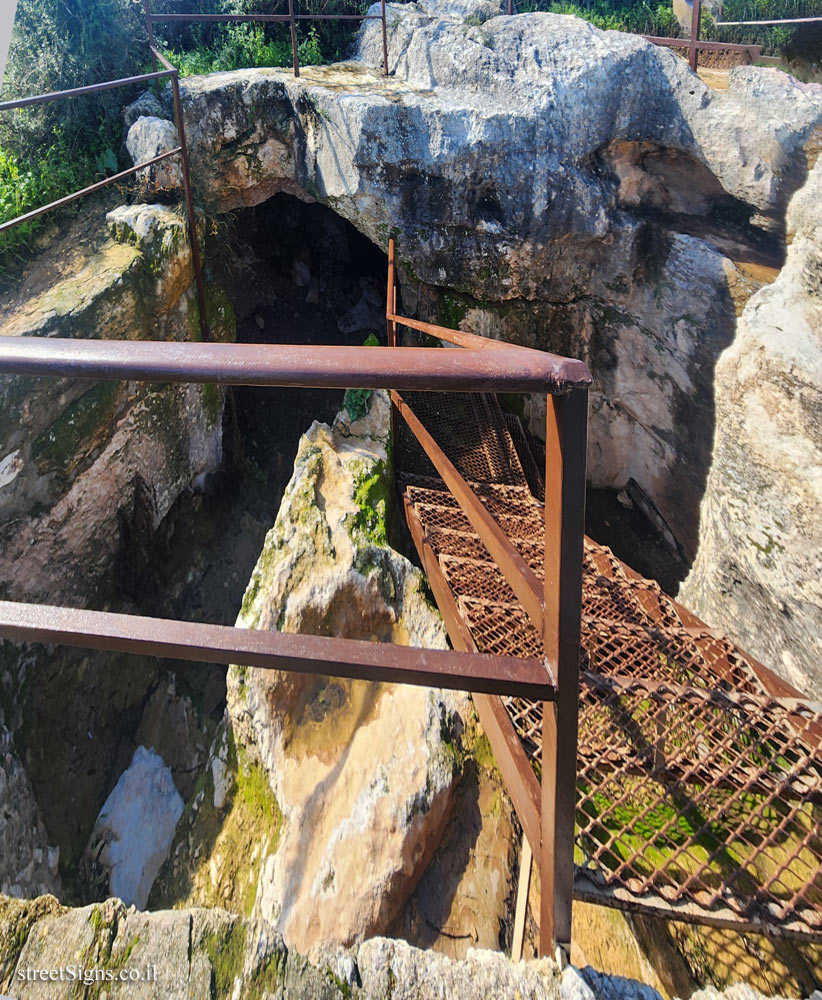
point(698, 793)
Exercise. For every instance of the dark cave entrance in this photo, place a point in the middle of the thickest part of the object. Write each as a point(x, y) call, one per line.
point(295, 273)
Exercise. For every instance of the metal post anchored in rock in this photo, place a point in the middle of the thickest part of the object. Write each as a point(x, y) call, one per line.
point(696, 12)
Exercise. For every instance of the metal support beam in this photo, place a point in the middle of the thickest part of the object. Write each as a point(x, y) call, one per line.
point(313, 654)
point(566, 439)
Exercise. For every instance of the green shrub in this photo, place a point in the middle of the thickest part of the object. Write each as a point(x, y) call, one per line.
point(50, 150)
point(640, 17)
point(28, 184)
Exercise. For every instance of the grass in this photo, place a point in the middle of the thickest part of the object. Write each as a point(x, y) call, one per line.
point(251, 46)
point(658, 19)
point(31, 181)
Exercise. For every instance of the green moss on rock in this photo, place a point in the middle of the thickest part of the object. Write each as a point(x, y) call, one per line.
point(372, 495)
point(84, 425)
point(17, 917)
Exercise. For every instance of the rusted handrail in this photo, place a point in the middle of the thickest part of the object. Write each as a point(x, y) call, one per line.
point(704, 45)
point(505, 554)
point(336, 657)
point(290, 18)
point(94, 88)
point(778, 20)
point(510, 369)
point(35, 213)
point(171, 74)
point(479, 365)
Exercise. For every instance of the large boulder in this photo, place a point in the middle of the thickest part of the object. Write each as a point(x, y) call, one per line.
point(363, 773)
point(134, 831)
point(148, 138)
point(758, 573)
point(195, 953)
point(552, 184)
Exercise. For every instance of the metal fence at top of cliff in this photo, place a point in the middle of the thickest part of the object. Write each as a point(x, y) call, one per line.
point(695, 45)
point(168, 72)
point(291, 18)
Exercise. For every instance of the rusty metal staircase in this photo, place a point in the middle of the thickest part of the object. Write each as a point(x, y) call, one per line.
point(699, 772)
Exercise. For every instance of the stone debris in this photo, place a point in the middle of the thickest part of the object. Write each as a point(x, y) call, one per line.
point(135, 829)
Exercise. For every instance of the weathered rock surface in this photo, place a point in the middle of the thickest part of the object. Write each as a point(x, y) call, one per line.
point(76, 456)
point(362, 773)
point(467, 895)
point(28, 865)
point(196, 954)
point(148, 138)
point(134, 831)
point(89, 471)
point(758, 573)
point(551, 184)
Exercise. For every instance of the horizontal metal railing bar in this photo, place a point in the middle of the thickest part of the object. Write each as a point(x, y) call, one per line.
point(684, 43)
point(94, 88)
point(568, 371)
point(783, 20)
point(505, 554)
point(61, 202)
point(372, 661)
point(510, 369)
point(213, 18)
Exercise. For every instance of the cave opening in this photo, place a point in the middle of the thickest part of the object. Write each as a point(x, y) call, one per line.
point(294, 273)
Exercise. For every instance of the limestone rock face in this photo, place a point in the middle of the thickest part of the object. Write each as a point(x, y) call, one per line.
point(485, 140)
point(420, 975)
point(75, 454)
point(758, 573)
point(362, 772)
point(188, 954)
point(551, 184)
point(88, 471)
point(28, 866)
point(135, 828)
point(147, 105)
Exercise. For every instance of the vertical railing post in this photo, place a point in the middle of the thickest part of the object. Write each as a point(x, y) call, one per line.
point(391, 296)
point(151, 45)
point(294, 54)
point(192, 220)
point(391, 325)
point(695, 18)
point(565, 447)
point(384, 41)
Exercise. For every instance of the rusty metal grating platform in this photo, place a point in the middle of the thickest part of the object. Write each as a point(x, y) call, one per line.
point(699, 785)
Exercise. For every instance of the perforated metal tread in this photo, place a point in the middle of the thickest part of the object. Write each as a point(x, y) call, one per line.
point(698, 793)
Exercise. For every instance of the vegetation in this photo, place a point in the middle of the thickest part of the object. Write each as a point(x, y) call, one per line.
point(646, 18)
point(53, 149)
